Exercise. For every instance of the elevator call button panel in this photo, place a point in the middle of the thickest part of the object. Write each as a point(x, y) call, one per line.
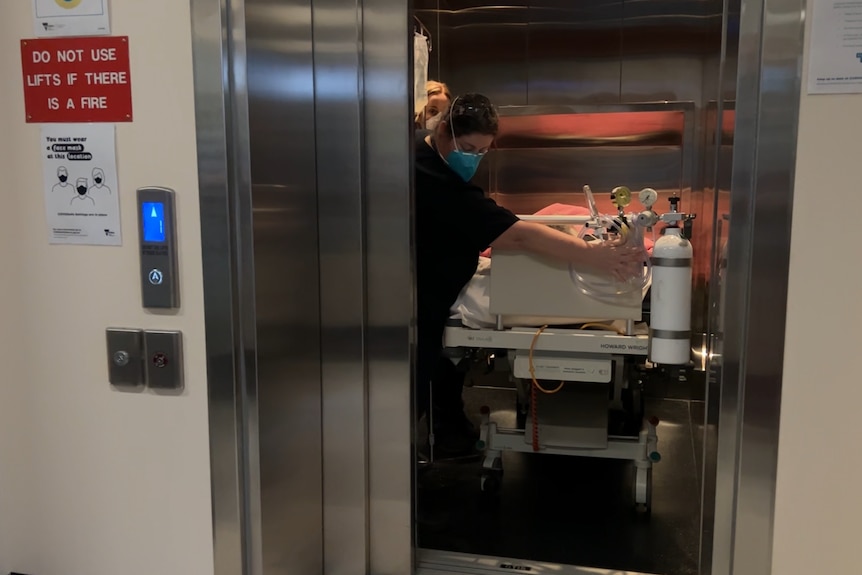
point(158, 248)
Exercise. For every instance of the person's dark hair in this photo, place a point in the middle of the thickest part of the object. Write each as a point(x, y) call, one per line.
point(472, 114)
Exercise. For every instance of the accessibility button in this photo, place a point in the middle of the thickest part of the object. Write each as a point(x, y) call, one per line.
point(156, 277)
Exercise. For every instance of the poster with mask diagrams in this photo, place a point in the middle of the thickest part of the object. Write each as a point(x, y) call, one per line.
point(82, 200)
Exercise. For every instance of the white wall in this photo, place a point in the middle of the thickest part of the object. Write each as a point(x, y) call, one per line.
point(96, 481)
point(819, 497)
point(14, 436)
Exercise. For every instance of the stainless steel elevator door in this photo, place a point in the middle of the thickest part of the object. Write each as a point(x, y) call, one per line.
point(304, 139)
point(286, 273)
point(329, 138)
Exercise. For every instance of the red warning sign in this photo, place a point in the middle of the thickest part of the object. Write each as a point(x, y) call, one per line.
point(73, 80)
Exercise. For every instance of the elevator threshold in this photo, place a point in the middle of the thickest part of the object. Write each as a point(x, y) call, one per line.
point(432, 562)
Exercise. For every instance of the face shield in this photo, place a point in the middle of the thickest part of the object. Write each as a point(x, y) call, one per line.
point(463, 163)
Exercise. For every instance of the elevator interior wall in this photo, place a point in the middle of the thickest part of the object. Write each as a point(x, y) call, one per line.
point(536, 54)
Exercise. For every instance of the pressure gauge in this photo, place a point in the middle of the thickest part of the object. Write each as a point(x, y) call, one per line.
point(621, 196)
point(648, 197)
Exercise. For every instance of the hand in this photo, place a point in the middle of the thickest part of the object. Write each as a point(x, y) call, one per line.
point(615, 258)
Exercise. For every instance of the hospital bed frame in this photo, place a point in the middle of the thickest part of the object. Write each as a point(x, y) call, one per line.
point(567, 355)
point(640, 449)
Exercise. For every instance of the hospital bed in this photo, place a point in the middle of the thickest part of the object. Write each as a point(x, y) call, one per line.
point(573, 359)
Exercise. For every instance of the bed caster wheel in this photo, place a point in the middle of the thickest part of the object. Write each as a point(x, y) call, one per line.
point(491, 482)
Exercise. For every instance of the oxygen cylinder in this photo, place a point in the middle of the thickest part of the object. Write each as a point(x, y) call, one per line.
point(670, 299)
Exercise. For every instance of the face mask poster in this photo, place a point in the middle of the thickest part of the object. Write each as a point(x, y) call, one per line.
point(80, 181)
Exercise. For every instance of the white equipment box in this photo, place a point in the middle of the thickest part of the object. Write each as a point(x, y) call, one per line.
point(553, 366)
point(526, 285)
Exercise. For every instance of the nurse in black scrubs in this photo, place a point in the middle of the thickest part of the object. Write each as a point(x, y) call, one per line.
point(455, 222)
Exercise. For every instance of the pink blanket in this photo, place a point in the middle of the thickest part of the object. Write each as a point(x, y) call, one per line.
point(567, 210)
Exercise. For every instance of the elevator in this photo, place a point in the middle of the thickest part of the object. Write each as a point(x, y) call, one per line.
point(304, 112)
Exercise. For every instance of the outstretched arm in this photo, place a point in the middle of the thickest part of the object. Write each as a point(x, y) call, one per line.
point(598, 257)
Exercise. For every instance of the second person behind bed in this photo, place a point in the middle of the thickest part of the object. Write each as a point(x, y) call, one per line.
point(439, 100)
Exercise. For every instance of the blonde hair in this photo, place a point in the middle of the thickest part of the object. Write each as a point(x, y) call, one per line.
point(432, 88)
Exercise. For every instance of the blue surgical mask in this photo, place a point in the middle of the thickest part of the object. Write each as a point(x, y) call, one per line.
point(463, 164)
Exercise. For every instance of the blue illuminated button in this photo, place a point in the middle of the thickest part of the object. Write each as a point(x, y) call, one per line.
point(154, 222)
point(156, 277)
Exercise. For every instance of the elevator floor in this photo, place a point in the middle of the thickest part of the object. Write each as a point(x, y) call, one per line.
point(570, 510)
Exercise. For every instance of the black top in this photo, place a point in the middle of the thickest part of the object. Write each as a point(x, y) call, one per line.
point(455, 222)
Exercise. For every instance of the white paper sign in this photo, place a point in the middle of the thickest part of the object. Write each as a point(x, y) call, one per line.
point(55, 18)
point(835, 51)
point(81, 192)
